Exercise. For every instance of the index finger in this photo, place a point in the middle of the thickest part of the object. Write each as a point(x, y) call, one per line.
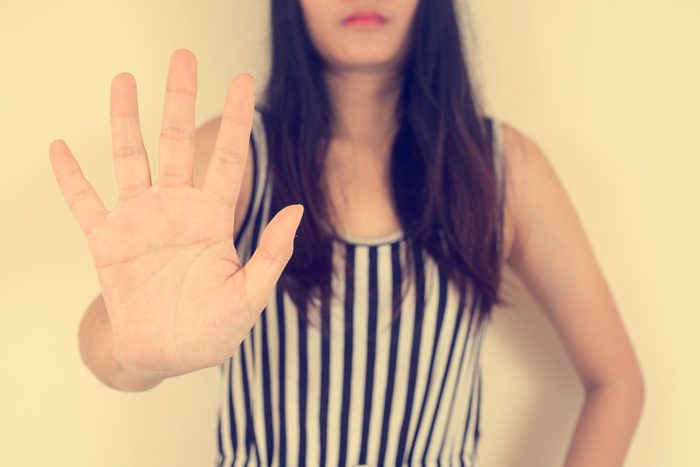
point(225, 171)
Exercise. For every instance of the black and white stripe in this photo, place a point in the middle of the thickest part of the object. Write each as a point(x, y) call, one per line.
point(368, 393)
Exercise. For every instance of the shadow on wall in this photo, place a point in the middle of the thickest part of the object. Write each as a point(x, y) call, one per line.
point(531, 393)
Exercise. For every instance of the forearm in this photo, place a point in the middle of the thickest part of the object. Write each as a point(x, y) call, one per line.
point(605, 426)
point(95, 336)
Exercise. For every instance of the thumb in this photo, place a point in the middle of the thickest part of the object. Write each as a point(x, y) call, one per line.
point(274, 251)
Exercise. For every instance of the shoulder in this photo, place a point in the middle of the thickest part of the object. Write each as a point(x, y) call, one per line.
point(528, 176)
point(205, 139)
point(538, 205)
point(523, 157)
point(521, 150)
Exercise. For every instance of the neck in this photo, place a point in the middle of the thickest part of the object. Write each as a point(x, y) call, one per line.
point(364, 106)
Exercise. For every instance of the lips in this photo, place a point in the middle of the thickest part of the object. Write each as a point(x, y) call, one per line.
point(366, 18)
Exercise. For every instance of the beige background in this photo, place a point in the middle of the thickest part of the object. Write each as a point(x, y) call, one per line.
point(608, 89)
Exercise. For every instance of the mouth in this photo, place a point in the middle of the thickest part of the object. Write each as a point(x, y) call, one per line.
point(364, 19)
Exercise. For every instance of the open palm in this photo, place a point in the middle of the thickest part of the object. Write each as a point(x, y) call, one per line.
point(177, 296)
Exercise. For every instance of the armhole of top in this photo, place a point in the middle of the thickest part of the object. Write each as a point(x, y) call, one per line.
point(259, 158)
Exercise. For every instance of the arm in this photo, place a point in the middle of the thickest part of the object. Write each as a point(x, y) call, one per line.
point(554, 259)
point(95, 339)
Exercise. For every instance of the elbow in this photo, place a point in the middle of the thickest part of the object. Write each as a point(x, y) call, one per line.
point(636, 388)
point(629, 389)
point(640, 391)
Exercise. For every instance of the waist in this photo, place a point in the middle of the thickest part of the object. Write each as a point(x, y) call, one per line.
point(463, 460)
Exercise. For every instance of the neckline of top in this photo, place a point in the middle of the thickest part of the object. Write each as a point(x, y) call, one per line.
point(390, 239)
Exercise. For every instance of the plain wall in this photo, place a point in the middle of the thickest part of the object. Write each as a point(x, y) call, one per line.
point(608, 89)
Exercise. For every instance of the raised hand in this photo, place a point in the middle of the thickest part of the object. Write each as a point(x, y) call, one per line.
point(177, 296)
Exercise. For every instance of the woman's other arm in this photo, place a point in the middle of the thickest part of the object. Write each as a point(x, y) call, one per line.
point(553, 257)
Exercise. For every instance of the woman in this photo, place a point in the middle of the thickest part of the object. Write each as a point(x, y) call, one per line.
point(366, 350)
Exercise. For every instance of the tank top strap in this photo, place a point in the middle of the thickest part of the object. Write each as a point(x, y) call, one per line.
point(496, 138)
point(253, 223)
point(498, 152)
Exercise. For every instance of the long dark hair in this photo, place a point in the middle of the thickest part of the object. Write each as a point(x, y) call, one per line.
point(441, 169)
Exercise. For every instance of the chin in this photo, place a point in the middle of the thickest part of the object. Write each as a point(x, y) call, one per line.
point(364, 60)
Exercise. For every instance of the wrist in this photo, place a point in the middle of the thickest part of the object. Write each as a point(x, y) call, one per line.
point(131, 378)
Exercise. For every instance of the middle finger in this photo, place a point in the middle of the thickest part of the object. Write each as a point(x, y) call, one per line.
point(177, 137)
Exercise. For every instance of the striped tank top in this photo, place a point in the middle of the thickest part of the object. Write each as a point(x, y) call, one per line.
point(370, 392)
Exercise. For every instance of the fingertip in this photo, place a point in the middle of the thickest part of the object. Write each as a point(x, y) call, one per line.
point(56, 148)
point(123, 78)
point(54, 145)
point(245, 79)
point(299, 214)
point(183, 53)
point(52, 152)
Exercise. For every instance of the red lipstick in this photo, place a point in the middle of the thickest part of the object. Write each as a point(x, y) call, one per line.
point(365, 19)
